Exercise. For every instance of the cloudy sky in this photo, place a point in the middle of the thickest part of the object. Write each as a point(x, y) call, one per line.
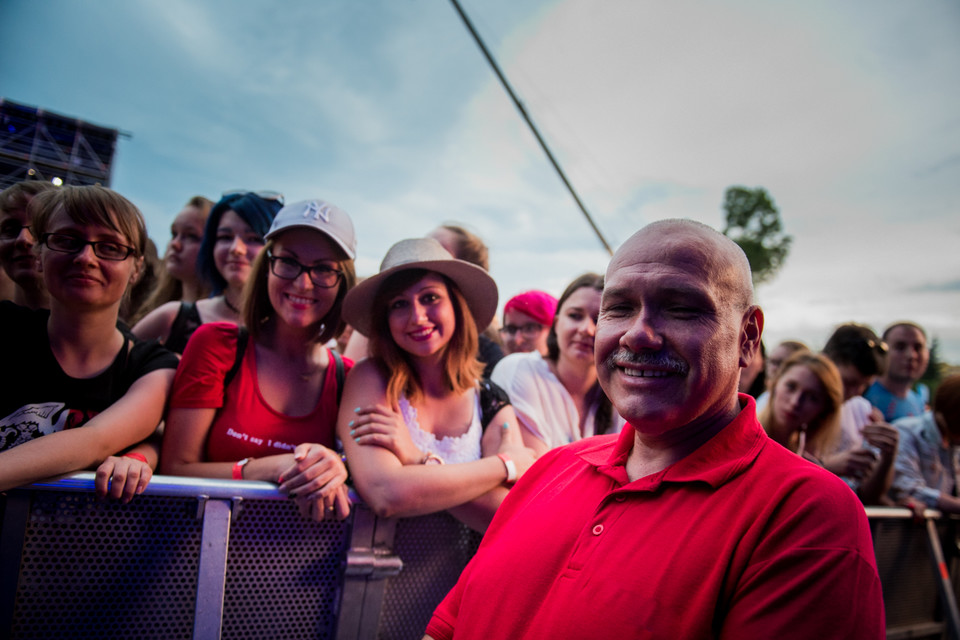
point(847, 113)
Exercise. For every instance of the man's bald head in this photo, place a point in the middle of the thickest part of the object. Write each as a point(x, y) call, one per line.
point(696, 242)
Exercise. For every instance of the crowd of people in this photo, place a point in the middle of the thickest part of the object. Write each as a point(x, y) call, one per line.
point(616, 404)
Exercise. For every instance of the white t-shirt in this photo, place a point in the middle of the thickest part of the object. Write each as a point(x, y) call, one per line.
point(541, 402)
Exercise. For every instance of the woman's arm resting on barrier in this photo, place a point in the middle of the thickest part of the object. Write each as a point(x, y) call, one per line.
point(392, 489)
point(126, 422)
point(184, 440)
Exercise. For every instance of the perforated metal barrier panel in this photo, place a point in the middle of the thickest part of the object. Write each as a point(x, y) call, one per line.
point(284, 573)
point(434, 550)
point(93, 569)
point(211, 559)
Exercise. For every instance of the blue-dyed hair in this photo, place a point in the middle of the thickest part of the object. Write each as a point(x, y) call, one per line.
point(255, 211)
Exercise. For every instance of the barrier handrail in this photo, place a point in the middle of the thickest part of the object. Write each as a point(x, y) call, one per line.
point(177, 486)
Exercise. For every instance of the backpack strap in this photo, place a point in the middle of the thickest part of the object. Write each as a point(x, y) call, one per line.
point(341, 373)
point(242, 336)
point(492, 400)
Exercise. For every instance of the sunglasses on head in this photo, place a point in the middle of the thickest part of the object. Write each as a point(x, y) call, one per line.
point(275, 196)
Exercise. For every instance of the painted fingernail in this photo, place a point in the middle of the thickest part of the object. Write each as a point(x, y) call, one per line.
point(280, 480)
point(352, 431)
point(506, 426)
point(356, 410)
point(350, 424)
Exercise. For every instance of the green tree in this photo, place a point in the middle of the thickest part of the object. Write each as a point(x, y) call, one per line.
point(753, 222)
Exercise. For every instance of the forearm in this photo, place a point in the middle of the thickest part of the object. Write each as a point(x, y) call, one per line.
point(876, 485)
point(948, 503)
point(149, 449)
point(413, 490)
point(54, 454)
point(478, 513)
point(266, 469)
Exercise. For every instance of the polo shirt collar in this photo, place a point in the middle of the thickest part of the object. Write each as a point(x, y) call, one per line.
point(722, 458)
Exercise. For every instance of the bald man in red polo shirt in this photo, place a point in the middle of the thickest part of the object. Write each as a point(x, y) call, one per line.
point(690, 523)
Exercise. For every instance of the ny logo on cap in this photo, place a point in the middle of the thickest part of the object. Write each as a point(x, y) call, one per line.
point(318, 212)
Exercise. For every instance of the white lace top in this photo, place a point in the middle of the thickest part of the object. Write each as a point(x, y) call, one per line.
point(464, 448)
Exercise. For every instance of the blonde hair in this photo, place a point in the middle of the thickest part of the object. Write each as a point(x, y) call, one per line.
point(169, 288)
point(824, 430)
point(461, 368)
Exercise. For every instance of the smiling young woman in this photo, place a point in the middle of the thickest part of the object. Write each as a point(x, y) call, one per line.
point(274, 419)
point(418, 401)
point(233, 236)
point(76, 367)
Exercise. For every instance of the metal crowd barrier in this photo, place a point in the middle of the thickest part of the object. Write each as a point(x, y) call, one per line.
point(194, 558)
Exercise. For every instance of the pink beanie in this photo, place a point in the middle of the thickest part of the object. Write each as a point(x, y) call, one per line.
point(540, 306)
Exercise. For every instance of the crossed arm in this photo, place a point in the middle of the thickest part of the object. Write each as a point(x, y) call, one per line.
point(385, 464)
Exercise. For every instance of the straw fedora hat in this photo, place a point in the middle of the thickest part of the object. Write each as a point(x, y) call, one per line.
point(476, 285)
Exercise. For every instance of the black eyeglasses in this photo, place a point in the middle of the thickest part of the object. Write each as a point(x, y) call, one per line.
point(10, 229)
point(276, 196)
point(289, 269)
point(529, 330)
point(104, 250)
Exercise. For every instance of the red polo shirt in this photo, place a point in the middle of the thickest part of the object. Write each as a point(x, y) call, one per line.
point(740, 539)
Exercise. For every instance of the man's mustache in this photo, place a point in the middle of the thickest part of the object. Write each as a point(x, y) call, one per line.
point(657, 360)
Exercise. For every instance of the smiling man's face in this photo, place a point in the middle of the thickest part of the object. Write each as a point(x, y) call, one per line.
point(675, 327)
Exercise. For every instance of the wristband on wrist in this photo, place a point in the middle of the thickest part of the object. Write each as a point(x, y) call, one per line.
point(510, 465)
point(238, 469)
point(431, 458)
point(136, 456)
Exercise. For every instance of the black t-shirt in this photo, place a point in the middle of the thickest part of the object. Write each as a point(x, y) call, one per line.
point(37, 398)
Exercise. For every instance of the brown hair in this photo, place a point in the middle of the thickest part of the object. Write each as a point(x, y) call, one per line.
point(469, 246)
point(91, 205)
point(825, 428)
point(947, 402)
point(18, 195)
point(461, 368)
point(256, 308)
point(591, 280)
point(903, 323)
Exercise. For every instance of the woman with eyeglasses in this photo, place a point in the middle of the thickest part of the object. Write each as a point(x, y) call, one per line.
point(17, 241)
point(260, 402)
point(80, 389)
point(557, 396)
point(232, 238)
point(527, 318)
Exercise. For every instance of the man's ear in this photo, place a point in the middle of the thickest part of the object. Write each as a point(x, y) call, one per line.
point(751, 330)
